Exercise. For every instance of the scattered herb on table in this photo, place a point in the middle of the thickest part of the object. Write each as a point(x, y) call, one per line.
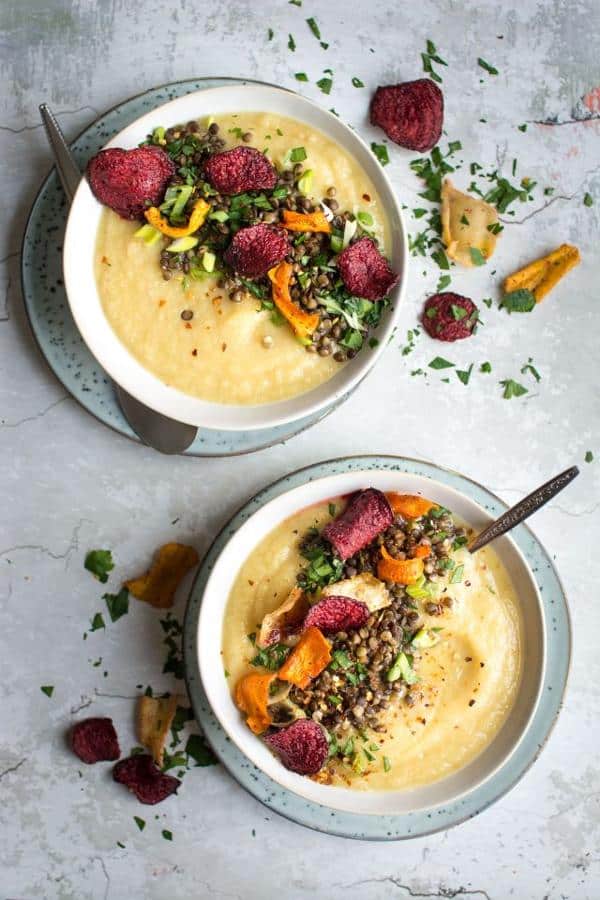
point(168, 835)
point(270, 34)
point(97, 622)
point(431, 56)
point(485, 367)
point(357, 83)
point(529, 367)
point(198, 750)
point(477, 257)
point(465, 375)
point(141, 824)
point(301, 76)
point(271, 658)
point(440, 363)
point(99, 563)
point(312, 24)
point(47, 689)
point(381, 152)
point(485, 65)
point(588, 200)
point(324, 84)
point(521, 300)
point(589, 457)
point(117, 604)
point(291, 43)
point(512, 389)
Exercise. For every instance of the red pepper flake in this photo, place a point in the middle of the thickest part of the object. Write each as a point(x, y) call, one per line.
point(188, 324)
point(471, 703)
point(250, 582)
point(468, 658)
point(194, 353)
point(161, 302)
point(106, 261)
point(366, 198)
point(223, 347)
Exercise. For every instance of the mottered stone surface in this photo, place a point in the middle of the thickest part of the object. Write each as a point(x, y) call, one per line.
point(68, 483)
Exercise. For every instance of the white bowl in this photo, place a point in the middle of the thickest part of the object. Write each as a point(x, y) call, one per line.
point(217, 689)
point(113, 356)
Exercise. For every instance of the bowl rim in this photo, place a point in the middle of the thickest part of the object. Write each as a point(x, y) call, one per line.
point(515, 549)
point(231, 417)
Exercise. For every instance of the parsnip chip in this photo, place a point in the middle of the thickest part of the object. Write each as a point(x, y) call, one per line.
point(541, 275)
point(278, 624)
point(465, 226)
point(157, 587)
point(154, 718)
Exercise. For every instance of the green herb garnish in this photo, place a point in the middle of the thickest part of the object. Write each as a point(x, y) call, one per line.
point(464, 375)
point(325, 85)
point(291, 43)
point(357, 83)
point(512, 389)
point(485, 367)
point(386, 764)
point(141, 824)
point(312, 24)
point(97, 622)
point(441, 259)
point(297, 154)
point(198, 750)
point(477, 257)
point(589, 457)
point(99, 563)
point(429, 57)
point(529, 367)
point(518, 301)
point(457, 575)
point(440, 363)
point(381, 152)
point(168, 835)
point(47, 689)
point(588, 200)
point(271, 658)
point(118, 604)
point(485, 65)
point(301, 76)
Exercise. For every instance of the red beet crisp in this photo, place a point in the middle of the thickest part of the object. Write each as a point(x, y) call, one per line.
point(367, 515)
point(302, 746)
point(142, 776)
point(241, 169)
point(256, 249)
point(449, 317)
point(94, 740)
point(333, 614)
point(411, 114)
point(365, 272)
point(126, 179)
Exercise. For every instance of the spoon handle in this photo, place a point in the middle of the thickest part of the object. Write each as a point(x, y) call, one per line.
point(522, 510)
point(68, 171)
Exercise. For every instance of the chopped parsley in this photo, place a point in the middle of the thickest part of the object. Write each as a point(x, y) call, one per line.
point(464, 376)
point(485, 367)
point(588, 200)
point(381, 152)
point(99, 563)
point(324, 84)
point(485, 65)
point(271, 658)
point(301, 76)
point(97, 622)
point(297, 154)
point(47, 689)
point(512, 389)
point(312, 24)
point(477, 257)
point(270, 34)
point(357, 83)
point(118, 604)
point(441, 259)
point(529, 367)
point(523, 127)
point(323, 568)
point(589, 457)
point(291, 43)
point(141, 824)
point(443, 283)
point(168, 835)
point(431, 56)
point(440, 363)
point(518, 301)
point(331, 509)
point(198, 750)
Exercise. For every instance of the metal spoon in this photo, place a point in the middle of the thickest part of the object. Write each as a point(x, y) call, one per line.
point(157, 431)
point(523, 509)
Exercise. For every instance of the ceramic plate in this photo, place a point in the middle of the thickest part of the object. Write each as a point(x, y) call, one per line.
point(448, 803)
point(48, 311)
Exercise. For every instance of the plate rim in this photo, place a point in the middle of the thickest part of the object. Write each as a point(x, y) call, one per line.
point(133, 437)
point(380, 824)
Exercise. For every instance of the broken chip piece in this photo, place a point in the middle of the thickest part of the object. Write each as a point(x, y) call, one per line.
point(95, 740)
point(284, 620)
point(543, 274)
point(159, 584)
point(337, 613)
point(411, 113)
point(153, 721)
point(144, 779)
point(469, 226)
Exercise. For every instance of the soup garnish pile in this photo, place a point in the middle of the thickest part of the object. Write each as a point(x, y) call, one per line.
point(344, 646)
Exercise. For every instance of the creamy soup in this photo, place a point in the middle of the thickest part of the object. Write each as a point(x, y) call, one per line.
point(467, 682)
point(227, 352)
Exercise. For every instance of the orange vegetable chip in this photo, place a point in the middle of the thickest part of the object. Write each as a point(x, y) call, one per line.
point(409, 505)
point(252, 698)
point(315, 221)
point(157, 587)
point(309, 657)
point(399, 571)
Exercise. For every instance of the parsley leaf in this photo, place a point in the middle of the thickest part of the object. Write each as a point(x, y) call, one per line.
point(589, 457)
point(381, 152)
point(485, 367)
point(291, 43)
point(168, 835)
point(199, 751)
point(301, 76)
point(141, 824)
point(518, 301)
point(271, 658)
point(588, 200)
point(97, 622)
point(118, 604)
point(464, 375)
point(312, 24)
point(270, 34)
point(529, 367)
point(440, 363)
point(357, 83)
point(477, 257)
point(99, 563)
point(512, 389)
point(485, 65)
point(47, 689)
point(325, 85)
point(443, 283)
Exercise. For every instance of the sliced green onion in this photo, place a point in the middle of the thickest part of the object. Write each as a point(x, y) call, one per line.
point(147, 234)
point(182, 244)
point(401, 668)
point(305, 182)
point(337, 244)
point(158, 135)
point(208, 261)
point(365, 219)
point(183, 195)
point(424, 639)
point(219, 215)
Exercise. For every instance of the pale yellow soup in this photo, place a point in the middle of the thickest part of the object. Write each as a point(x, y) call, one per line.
point(468, 681)
point(219, 355)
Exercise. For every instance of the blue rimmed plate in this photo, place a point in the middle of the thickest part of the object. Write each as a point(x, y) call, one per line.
point(435, 816)
point(48, 311)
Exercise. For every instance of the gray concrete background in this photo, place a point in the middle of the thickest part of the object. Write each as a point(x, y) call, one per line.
point(68, 483)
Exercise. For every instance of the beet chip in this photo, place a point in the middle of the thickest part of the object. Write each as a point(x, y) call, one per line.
point(302, 746)
point(95, 740)
point(334, 613)
point(241, 169)
point(125, 179)
point(367, 515)
point(365, 272)
point(255, 250)
point(411, 114)
point(449, 317)
point(143, 778)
